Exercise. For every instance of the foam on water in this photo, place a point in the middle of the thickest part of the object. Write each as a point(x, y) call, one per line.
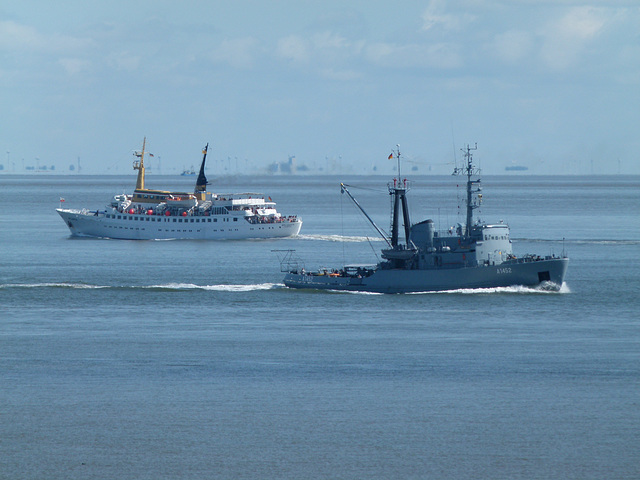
point(218, 288)
point(514, 289)
point(338, 238)
point(548, 288)
point(594, 241)
point(169, 286)
point(82, 286)
point(356, 292)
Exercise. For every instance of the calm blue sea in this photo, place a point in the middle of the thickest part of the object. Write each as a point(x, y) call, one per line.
point(190, 360)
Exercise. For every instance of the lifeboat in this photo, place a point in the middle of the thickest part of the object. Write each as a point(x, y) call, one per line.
point(399, 253)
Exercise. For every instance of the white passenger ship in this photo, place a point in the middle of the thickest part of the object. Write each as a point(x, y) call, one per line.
point(158, 214)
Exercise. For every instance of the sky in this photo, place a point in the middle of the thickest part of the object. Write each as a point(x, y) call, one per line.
point(550, 85)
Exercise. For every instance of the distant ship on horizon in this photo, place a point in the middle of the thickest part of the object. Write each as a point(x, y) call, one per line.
point(516, 168)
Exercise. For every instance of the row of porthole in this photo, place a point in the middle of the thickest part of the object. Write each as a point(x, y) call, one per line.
point(167, 230)
point(175, 219)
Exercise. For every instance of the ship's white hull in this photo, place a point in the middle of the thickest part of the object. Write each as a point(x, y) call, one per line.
point(155, 227)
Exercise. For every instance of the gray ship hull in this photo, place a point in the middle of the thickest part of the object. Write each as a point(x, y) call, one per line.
point(545, 271)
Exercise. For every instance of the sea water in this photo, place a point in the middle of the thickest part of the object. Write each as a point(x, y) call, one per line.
point(190, 359)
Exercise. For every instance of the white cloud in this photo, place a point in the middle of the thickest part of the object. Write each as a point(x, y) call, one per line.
point(73, 66)
point(565, 39)
point(435, 16)
point(237, 52)
point(440, 55)
point(123, 61)
point(327, 44)
point(341, 75)
point(331, 54)
point(330, 40)
point(512, 46)
point(24, 38)
point(582, 22)
point(334, 55)
point(293, 48)
point(16, 36)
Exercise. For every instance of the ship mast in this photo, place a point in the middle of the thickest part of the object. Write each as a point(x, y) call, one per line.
point(399, 192)
point(473, 185)
point(398, 254)
point(201, 182)
point(139, 165)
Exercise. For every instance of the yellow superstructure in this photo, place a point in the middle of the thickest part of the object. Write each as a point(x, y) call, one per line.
point(139, 165)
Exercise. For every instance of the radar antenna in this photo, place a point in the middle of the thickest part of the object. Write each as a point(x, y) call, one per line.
point(473, 185)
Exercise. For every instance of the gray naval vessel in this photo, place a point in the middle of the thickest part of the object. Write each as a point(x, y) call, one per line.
point(476, 255)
